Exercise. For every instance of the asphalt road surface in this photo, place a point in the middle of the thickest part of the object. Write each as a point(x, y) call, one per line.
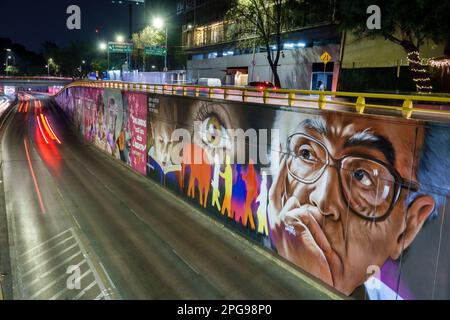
point(73, 212)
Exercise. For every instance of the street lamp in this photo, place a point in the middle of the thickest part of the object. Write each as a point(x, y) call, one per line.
point(158, 23)
point(120, 38)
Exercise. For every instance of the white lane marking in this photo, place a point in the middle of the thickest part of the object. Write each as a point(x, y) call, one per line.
point(43, 243)
point(48, 286)
point(185, 262)
point(101, 285)
point(41, 276)
point(59, 192)
point(60, 293)
point(78, 296)
point(47, 250)
point(107, 275)
point(46, 261)
point(99, 296)
point(76, 221)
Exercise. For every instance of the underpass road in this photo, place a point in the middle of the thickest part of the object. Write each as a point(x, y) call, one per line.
point(71, 207)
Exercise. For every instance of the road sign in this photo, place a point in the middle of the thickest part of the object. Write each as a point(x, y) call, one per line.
point(155, 51)
point(119, 47)
point(325, 57)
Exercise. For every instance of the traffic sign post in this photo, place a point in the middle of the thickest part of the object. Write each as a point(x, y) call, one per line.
point(325, 57)
point(120, 47)
point(155, 51)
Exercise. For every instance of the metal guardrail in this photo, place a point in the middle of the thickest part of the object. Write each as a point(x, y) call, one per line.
point(360, 103)
point(31, 78)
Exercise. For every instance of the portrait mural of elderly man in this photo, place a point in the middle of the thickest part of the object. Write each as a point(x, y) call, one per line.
point(345, 194)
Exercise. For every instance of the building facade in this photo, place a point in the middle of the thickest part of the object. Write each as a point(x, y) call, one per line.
point(212, 50)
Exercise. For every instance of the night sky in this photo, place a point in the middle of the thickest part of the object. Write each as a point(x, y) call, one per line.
point(31, 22)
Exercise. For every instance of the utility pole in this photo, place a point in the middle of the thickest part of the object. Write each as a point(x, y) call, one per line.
point(165, 56)
point(130, 21)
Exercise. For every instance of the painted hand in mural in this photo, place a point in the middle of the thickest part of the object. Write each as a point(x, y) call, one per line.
point(296, 233)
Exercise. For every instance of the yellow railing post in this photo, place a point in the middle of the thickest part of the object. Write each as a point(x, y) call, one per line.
point(291, 98)
point(211, 92)
point(173, 90)
point(360, 104)
point(407, 109)
point(322, 101)
point(225, 94)
point(244, 95)
point(265, 96)
point(184, 91)
point(196, 91)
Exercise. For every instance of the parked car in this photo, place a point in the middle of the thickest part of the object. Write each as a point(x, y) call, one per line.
point(209, 82)
point(262, 85)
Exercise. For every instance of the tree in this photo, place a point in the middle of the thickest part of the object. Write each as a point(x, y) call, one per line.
point(53, 67)
point(262, 22)
point(67, 60)
point(149, 36)
point(11, 70)
point(99, 64)
point(407, 23)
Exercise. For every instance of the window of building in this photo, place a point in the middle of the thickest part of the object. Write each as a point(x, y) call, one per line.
point(322, 76)
point(197, 56)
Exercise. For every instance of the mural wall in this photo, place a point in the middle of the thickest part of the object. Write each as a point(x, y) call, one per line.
point(357, 201)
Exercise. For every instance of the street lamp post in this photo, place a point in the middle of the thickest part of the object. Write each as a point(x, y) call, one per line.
point(104, 46)
point(81, 68)
point(158, 23)
point(7, 59)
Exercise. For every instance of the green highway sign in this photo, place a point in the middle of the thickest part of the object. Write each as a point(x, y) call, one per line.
point(118, 47)
point(155, 51)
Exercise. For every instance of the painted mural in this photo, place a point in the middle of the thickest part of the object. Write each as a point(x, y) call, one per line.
point(356, 201)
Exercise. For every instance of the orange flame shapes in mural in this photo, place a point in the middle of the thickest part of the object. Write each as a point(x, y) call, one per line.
point(200, 174)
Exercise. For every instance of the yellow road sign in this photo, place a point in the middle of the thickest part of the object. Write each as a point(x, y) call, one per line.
point(325, 57)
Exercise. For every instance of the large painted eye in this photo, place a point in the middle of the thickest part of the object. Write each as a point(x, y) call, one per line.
point(213, 132)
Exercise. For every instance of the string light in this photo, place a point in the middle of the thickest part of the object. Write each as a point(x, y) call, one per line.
point(442, 63)
point(420, 72)
point(424, 87)
point(421, 79)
